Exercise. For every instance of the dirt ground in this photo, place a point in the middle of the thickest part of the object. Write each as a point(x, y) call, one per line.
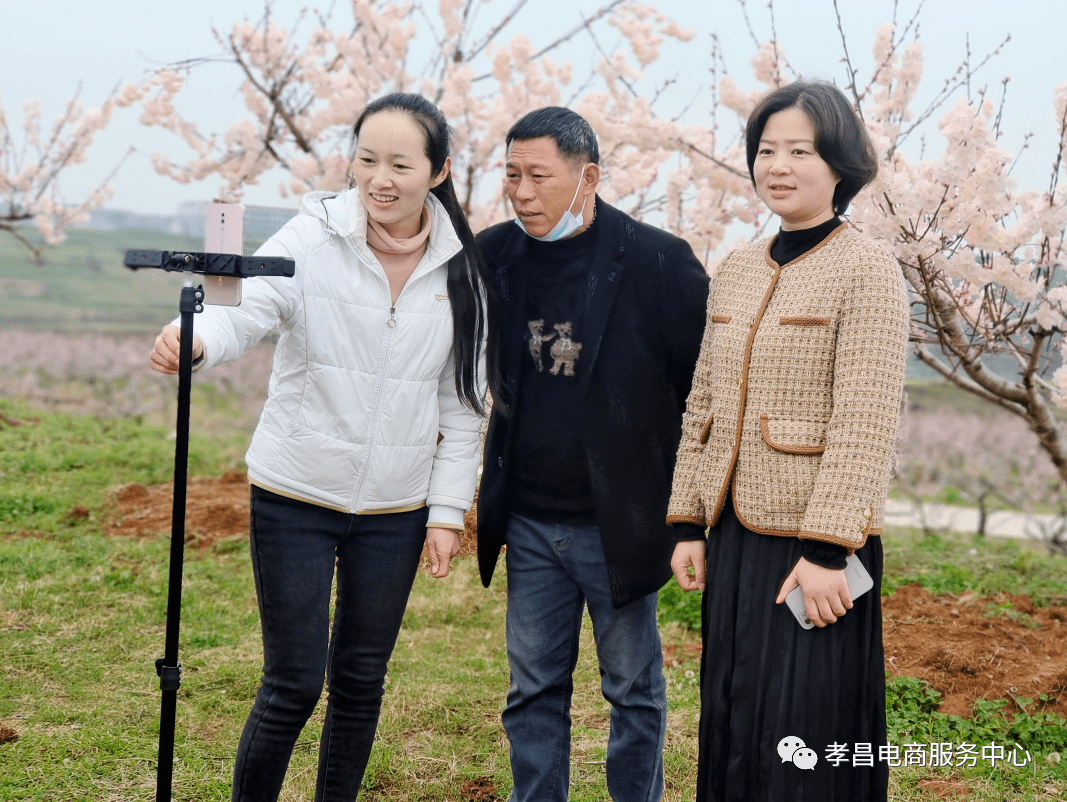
point(974, 647)
point(966, 647)
point(216, 509)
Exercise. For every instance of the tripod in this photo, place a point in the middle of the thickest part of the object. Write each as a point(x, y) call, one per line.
point(167, 667)
point(232, 267)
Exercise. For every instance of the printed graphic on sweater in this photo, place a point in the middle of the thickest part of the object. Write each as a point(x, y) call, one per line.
point(564, 350)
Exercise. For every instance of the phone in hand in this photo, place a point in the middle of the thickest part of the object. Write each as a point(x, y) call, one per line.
point(224, 233)
point(859, 582)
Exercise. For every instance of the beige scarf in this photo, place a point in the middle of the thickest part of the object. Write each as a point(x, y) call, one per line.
point(398, 257)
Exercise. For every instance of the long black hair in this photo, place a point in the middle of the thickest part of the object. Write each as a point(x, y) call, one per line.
point(467, 287)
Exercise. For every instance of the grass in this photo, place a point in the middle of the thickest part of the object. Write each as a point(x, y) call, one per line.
point(83, 624)
point(960, 564)
point(82, 621)
point(933, 394)
point(52, 464)
point(84, 286)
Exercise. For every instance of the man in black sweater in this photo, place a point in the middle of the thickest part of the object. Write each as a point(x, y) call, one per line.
point(597, 321)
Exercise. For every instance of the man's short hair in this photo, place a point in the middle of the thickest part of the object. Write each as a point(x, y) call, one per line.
point(570, 131)
point(841, 138)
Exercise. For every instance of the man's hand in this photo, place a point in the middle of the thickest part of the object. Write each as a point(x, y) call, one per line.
point(164, 356)
point(442, 545)
point(826, 596)
point(687, 562)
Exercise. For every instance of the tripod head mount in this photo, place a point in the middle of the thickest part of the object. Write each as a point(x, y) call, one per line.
point(210, 264)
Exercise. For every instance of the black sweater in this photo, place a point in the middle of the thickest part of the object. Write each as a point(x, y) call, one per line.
point(644, 304)
point(550, 472)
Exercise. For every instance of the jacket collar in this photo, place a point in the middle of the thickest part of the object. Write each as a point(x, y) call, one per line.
point(343, 214)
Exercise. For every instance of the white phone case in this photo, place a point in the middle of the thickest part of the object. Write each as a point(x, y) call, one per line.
point(859, 582)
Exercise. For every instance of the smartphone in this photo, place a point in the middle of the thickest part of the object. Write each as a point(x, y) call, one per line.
point(224, 233)
point(859, 582)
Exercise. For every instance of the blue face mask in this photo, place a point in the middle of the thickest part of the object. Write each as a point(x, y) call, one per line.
point(567, 224)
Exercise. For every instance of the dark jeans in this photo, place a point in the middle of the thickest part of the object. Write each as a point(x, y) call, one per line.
point(554, 572)
point(295, 546)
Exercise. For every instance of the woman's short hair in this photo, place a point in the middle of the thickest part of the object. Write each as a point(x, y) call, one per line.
point(841, 139)
point(569, 130)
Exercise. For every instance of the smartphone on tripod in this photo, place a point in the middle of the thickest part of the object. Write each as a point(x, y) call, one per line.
point(224, 233)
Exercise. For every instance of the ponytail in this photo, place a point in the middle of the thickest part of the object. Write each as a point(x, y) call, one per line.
point(468, 292)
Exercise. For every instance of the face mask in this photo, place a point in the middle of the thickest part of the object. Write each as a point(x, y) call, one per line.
point(567, 224)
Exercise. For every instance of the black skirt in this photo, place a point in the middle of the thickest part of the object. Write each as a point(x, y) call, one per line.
point(765, 679)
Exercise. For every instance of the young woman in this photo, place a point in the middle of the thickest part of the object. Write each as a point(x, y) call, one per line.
point(786, 449)
point(368, 443)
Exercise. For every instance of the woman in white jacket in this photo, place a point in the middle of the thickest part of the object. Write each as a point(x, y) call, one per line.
point(368, 442)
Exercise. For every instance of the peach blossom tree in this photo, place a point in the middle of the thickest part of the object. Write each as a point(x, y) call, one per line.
point(301, 91)
point(32, 166)
point(983, 257)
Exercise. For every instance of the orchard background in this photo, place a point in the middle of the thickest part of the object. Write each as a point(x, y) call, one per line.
point(981, 248)
point(982, 255)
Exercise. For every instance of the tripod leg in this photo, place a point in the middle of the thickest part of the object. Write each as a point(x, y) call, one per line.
point(167, 667)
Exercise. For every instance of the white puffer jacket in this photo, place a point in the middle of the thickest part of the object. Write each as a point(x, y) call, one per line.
point(362, 412)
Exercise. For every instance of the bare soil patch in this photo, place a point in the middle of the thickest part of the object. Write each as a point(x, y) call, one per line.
point(966, 647)
point(481, 789)
point(216, 509)
point(973, 647)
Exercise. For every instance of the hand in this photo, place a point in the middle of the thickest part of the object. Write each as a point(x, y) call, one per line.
point(825, 590)
point(164, 356)
point(442, 545)
point(688, 564)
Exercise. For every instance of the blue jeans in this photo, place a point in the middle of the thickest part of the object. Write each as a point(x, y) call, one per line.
point(553, 571)
point(295, 546)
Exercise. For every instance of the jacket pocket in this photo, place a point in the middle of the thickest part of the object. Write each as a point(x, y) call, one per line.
point(793, 436)
point(803, 320)
point(721, 318)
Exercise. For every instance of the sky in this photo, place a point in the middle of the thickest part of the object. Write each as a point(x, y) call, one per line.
point(48, 49)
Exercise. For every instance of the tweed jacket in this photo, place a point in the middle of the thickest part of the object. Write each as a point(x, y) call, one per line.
point(796, 396)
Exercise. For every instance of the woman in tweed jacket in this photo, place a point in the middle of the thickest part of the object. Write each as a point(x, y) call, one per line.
point(786, 449)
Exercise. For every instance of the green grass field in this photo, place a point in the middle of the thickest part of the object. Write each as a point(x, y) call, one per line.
point(82, 620)
point(84, 286)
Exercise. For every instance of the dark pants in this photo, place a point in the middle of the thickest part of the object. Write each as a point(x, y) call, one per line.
point(295, 546)
point(554, 572)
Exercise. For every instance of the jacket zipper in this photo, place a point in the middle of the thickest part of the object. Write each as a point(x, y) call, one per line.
point(379, 389)
point(379, 393)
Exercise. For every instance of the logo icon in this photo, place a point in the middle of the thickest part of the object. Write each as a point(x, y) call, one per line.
point(793, 750)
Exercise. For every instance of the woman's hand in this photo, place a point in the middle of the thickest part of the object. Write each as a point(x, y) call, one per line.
point(826, 596)
point(688, 564)
point(164, 356)
point(442, 545)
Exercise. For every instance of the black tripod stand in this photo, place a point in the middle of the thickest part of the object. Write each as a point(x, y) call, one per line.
point(167, 667)
point(192, 301)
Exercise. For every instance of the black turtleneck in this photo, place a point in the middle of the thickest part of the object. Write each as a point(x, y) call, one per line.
point(793, 244)
point(787, 247)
